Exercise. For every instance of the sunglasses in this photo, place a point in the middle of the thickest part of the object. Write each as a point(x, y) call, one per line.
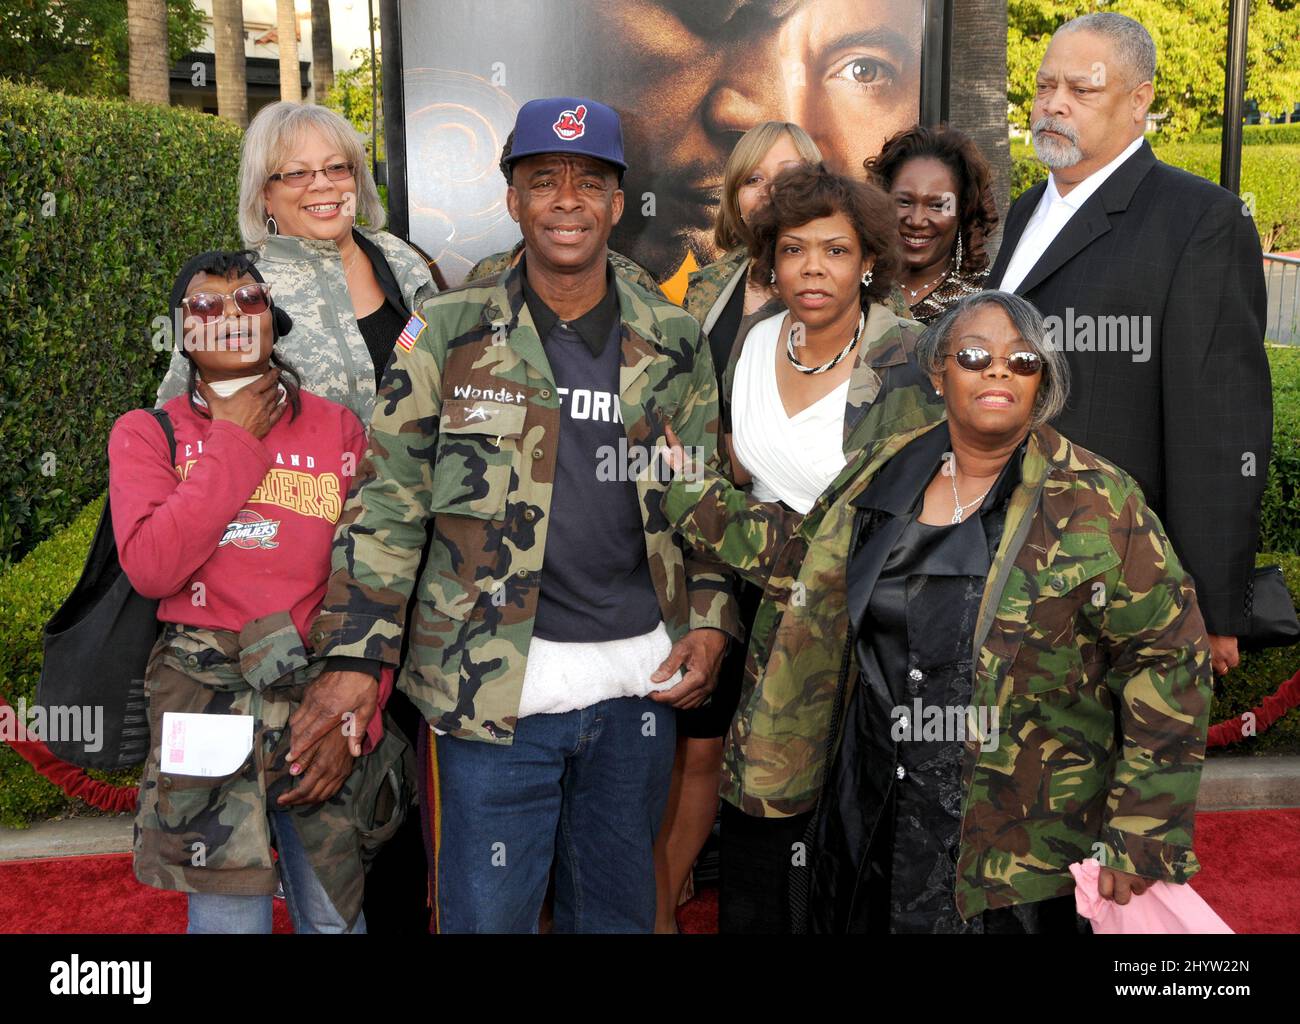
point(251, 299)
point(1023, 364)
point(300, 179)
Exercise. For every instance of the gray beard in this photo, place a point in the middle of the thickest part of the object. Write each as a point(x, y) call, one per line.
point(1056, 155)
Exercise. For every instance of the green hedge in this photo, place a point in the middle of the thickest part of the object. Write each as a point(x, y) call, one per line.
point(1258, 676)
point(1271, 174)
point(1280, 509)
point(1254, 135)
point(30, 592)
point(100, 203)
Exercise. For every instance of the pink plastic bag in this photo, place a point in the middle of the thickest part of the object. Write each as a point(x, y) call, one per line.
point(1165, 908)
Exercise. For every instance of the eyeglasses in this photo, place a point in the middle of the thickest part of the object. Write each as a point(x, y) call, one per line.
point(251, 299)
point(301, 179)
point(1023, 364)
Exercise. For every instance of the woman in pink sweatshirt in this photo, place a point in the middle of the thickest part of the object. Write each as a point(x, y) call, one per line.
point(233, 538)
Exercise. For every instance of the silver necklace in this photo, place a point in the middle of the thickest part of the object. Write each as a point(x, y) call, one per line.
point(959, 509)
point(914, 292)
point(789, 349)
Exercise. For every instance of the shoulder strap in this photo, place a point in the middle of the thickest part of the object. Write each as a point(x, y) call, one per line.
point(165, 422)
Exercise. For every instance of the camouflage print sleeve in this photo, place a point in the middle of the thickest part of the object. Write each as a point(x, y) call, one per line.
point(381, 532)
point(1159, 674)
point(697, 423)
point(489, 266)
point(725, 523)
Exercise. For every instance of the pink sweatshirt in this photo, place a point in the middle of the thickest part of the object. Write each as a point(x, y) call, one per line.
point(239, 528)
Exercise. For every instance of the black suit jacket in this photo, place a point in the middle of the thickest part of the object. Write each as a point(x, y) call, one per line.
point(1193, 421)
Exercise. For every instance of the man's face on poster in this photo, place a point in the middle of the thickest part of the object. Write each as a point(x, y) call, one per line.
point(692, 76)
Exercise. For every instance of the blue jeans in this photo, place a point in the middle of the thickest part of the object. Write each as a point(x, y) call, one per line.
point(309, 906)
point(584, 790)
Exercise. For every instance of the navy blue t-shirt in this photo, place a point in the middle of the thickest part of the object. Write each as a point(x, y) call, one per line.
point(595, 582)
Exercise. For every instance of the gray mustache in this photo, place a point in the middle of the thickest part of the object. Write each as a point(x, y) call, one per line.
point(1050, 124)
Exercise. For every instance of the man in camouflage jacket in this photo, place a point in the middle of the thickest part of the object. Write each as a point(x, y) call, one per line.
point(1060, 668)
point(465, 443)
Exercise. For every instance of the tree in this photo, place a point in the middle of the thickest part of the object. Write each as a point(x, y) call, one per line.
point(1191, 42)
point(286, 34)
point(81, 47)
point(978, 96)
point(351, 96)
point(322, 49)
point(232, 64)
point(147, 62)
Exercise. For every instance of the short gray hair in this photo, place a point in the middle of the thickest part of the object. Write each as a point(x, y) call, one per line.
point(1053, 386)
point(1133, 43)
point(271, 139)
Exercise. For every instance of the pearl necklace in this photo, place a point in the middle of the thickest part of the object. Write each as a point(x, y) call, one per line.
point(789, 349)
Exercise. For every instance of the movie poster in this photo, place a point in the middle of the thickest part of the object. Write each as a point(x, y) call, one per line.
point(688, 78)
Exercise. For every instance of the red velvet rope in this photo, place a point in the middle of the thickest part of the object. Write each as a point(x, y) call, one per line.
point(1273, 708)
point(71, 779)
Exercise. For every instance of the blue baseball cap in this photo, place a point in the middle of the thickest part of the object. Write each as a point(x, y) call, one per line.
point(565, 124)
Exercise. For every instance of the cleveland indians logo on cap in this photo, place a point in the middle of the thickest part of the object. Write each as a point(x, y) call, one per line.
point(570, 126)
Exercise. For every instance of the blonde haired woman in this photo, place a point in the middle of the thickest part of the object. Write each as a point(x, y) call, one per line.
point(305, 184)
point(720, 296)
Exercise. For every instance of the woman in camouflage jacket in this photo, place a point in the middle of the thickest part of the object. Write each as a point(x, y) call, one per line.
point(350, 289)
point(1080, 657)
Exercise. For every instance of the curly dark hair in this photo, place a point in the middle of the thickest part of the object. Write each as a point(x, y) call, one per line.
point(504, 164)
point(977, 213)
point(811, 191)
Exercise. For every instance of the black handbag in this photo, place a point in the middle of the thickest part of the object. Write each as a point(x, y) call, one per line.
point(97, 647)
point(1271, 611)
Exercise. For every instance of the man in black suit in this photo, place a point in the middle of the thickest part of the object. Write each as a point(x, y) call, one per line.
point(1152, 282)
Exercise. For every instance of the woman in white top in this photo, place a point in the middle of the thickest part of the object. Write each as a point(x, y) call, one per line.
point(811, 386)
point(721, 297)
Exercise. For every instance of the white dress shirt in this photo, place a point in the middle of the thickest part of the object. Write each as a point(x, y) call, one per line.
point(1051, 215)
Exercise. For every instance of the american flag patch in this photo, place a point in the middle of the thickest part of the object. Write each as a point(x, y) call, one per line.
point(411, 333)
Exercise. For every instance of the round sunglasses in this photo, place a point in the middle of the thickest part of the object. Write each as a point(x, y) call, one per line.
point(1023, 364)
point(251, 299)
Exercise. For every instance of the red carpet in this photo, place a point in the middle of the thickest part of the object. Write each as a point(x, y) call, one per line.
point(1248, 873)
point(93, 894)
point(1248, 868)
point(1247, 858)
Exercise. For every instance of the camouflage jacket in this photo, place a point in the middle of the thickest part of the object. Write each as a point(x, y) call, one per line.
point(493, 266)
point(709, 288)
point(1061, 667)
point(212, 833)
point(325, 345)
point(463, 441)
